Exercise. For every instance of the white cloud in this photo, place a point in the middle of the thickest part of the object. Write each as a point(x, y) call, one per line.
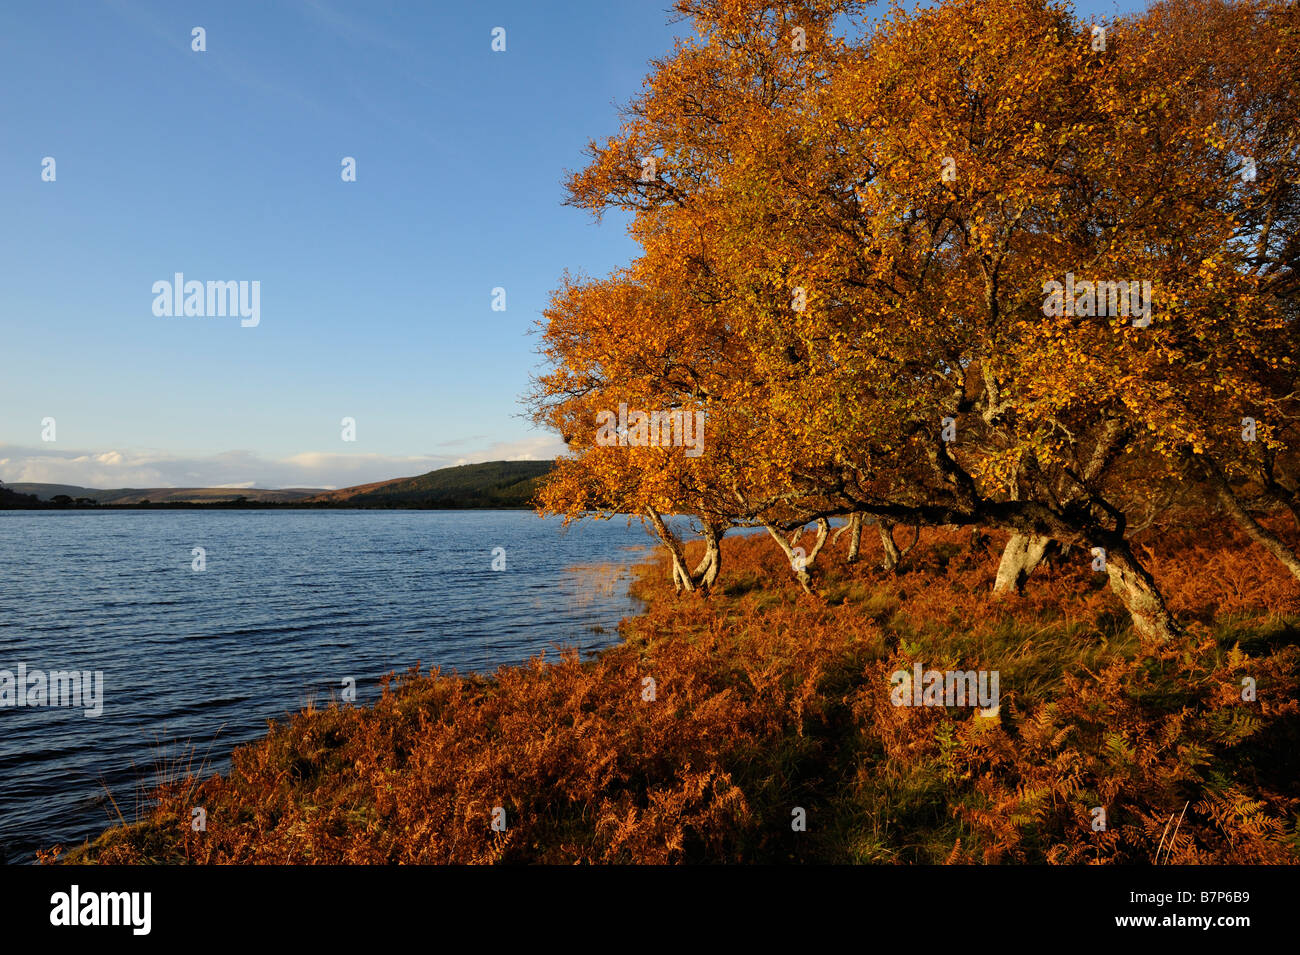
point(144, 468)
point(543, 447)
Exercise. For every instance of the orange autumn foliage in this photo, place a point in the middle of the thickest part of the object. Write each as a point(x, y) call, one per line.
point(846, 241)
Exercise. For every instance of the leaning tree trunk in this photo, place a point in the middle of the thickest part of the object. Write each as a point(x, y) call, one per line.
point(800, 564)
point(1137, 589)
point(1022, 555)
point(894, 557)
point(681, 576)
point(854, 528)
point(855, 535)
point(711, 563)
point(1254, 529)
point(706, 573)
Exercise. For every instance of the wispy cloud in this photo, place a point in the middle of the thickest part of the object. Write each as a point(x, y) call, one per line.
point(353, 29)
point(143, 468)
point(539, 448)
point(176, 39)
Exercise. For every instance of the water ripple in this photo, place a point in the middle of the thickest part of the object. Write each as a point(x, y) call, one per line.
point(291, 604)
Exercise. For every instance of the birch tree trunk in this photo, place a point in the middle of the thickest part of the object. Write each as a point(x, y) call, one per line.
point(1254, 529)
point(1021, 556)
point(854, 528)
point(800, 563)
point(706, 572)
point(1137, 589)
point(681, 576)
point(893, 556)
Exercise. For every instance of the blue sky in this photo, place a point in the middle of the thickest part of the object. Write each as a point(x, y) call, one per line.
point(225, 165)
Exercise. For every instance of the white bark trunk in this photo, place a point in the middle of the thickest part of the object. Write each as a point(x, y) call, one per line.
point(893, 556)
point(1023, 553)
point(706, 572)
point(855, 535)
point(801, 564)
point(1137, 589)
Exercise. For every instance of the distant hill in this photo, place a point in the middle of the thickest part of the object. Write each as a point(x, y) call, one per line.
point(166, 495)
point(505, 484)
point(491, 484)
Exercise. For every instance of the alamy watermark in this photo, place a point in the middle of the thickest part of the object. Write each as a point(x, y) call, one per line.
point(67, 688)
point(655, 429)
point(179, 298)
point(75, 907)
point(978, 688)
point(1112, 299)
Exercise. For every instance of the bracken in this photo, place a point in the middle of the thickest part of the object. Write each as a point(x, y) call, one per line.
point(767, 700)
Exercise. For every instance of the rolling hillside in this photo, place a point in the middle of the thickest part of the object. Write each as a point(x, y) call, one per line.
point(491, 484)
point(124, 496)
point(504, 484)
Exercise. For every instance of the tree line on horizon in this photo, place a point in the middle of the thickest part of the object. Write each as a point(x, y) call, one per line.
point(982, 264)
point(485, 485)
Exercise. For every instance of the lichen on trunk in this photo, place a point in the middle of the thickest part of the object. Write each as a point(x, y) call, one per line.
point(1020, 558)
point(1137, 589)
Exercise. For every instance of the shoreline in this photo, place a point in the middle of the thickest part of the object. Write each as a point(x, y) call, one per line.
point(696, 735)
point(383, 592)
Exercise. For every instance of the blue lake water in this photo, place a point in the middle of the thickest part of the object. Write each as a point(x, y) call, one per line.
point(289, 605)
